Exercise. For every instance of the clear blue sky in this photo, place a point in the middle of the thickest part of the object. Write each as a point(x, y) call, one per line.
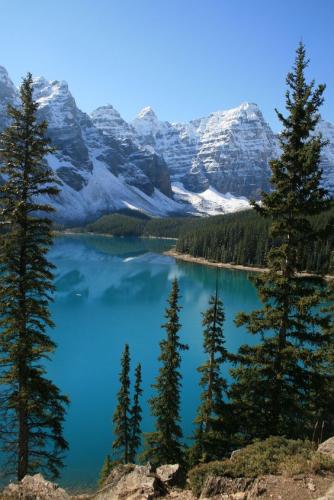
point(185, 58)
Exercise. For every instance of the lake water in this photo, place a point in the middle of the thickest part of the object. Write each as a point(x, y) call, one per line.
point(111, 292)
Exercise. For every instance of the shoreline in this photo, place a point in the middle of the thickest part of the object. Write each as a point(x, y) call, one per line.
point(187, 257)
point(205, 262)
point(107, 235)
point(236, 267)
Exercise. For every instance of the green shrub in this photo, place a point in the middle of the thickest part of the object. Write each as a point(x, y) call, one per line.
point(275, 455)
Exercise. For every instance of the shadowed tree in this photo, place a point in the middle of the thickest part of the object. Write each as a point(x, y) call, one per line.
point(135, 418)
point(32, 407)
point(211, 435)
point(164, 445)
point(275, 378)
point(121, 418)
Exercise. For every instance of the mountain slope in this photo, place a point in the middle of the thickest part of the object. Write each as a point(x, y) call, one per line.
point(97, 173)
point(228, 150)
point(104, 164)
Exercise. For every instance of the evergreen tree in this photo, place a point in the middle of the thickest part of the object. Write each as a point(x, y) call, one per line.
point(32, 407)
point(105, 471)
point(136, 418)
point(164, 446)
point(274, 379)
point(211, 441)
point(121, 418)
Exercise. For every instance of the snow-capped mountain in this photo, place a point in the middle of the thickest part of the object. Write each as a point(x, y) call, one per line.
point(228, 150)
point(104, 164)
point(98, 173)
point(8, 95)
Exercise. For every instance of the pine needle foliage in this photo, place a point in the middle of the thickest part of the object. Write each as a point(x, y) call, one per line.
point(211, 435)
point(32, 407)
point(275, 378)
point(136, 417)
point(121, 418)
point(164, 445)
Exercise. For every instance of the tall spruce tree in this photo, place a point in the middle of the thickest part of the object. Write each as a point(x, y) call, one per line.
point(121, 418)
point(32, 407)
point(136, 417)
point(275, 379)
point(211, 435)
point(164, 445)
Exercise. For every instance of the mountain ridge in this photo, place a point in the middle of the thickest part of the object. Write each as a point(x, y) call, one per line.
point(104, 164)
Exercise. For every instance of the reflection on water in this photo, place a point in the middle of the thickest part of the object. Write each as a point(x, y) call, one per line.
point(111, 291)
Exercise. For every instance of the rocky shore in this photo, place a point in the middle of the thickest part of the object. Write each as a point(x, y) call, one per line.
point(205, 262)
point(135, 482)
point(141, 483)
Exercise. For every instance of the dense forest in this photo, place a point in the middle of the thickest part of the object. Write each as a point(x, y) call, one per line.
point(139, 225)
point(244, 238)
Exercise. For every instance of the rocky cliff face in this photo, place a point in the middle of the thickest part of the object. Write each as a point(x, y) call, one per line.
point(104, 164)
point(228, 150)
point(98, 171)
point(8, 95)
point(327, 161)
point(136, 159)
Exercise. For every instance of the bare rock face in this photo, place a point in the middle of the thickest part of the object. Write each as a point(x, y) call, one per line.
point(132, 482)
point(327, 447)
point(228, 150)
point(171, 475)
point(34, 488)
point(232, 488)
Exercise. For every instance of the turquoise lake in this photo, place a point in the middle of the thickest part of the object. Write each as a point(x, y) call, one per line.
point(111, 292)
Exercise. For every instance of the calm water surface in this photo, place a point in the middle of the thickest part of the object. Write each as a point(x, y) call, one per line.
point(113, 291)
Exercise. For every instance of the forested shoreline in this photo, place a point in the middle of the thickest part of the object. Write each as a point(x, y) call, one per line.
point(244, 239)
point(241, 238)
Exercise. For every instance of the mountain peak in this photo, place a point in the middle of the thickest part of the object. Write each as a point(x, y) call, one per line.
point(105, 111)
point(147, 113)
point(108, 119)
point(249, 106)
point(56, 85)
point(246, 110)
point(46, 91)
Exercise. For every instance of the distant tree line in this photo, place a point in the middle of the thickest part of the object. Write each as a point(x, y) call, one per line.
point(119, 224)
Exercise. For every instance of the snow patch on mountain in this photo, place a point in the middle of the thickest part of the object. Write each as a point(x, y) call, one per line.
point(106, 193)
point(106, 164)
point(210, 201)
point(228, 150)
